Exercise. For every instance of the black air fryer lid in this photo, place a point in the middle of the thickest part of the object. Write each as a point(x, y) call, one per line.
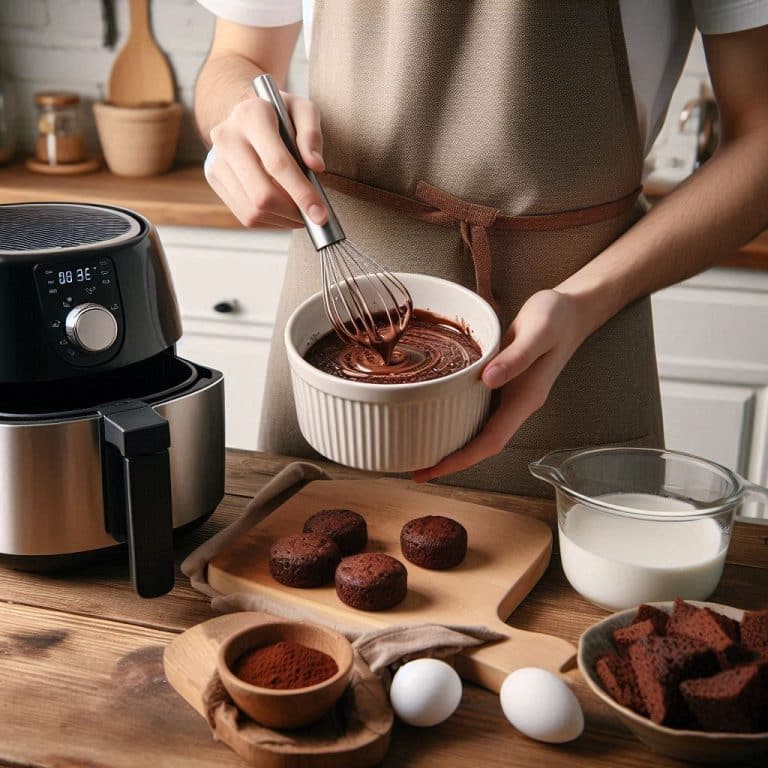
point(84, 289)
point(37, 229)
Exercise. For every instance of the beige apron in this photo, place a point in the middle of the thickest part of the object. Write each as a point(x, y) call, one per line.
point(524, 111)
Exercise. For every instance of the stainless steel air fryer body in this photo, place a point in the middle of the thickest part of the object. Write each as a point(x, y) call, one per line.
point(52, 484)
point(106, 437)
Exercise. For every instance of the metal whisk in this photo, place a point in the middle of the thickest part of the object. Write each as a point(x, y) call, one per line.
point(365, 303)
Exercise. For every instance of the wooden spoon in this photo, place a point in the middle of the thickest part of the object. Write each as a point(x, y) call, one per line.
point(141, 73)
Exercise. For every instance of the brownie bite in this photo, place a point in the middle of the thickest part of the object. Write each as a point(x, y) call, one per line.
point(434, 542)
point(754, 631)
point(761, 662)
point(347, 528)
point(655, 615)
point(625, 636)
point(681, 611)
point(660, 664)
point(304, 560)
point(734, 700)
point(371, 581)
point(713, 629)
point(618, 679)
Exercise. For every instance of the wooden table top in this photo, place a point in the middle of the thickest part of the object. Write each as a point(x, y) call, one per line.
point(82, 684)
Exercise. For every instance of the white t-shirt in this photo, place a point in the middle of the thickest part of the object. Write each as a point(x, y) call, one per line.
point(658, 35)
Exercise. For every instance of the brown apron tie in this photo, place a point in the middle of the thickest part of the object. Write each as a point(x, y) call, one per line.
point(473, 221)
point(437, 206)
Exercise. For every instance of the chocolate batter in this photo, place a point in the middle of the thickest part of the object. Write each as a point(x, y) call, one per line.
point(431, 347)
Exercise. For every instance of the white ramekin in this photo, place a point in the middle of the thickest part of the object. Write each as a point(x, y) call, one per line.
point(393, 427)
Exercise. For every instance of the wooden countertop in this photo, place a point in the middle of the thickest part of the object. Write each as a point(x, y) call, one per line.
point(83, 685)
point(183, 198)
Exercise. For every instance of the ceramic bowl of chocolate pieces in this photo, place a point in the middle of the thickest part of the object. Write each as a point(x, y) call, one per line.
point(689, 679)
point(402, 416)
point(285, 674)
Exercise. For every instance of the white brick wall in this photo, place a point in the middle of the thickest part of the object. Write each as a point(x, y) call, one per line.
point(57, 44)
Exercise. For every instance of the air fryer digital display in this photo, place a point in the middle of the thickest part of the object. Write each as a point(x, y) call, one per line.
point(76, 275)
point(63, 286)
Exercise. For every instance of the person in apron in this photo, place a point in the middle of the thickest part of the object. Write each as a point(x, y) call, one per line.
point(493, 144)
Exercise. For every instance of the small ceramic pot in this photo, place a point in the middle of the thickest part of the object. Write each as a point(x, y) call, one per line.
point(138, 141)
point(293, 707)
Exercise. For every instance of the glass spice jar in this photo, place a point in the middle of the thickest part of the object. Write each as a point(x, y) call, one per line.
point(59, 139)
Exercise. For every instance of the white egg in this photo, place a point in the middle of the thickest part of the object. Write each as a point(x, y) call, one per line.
point(540, 705)
point(425, 692)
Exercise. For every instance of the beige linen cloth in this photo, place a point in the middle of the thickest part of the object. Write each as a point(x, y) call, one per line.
point(381, 650)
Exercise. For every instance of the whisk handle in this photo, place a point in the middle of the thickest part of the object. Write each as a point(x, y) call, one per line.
point(321, 235)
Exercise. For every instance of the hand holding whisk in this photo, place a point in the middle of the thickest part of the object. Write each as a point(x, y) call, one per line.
point(365, 303)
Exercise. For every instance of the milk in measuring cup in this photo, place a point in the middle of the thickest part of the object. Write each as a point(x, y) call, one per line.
point(618, 562)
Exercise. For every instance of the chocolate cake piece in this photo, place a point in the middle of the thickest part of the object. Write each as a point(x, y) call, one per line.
point(371, 581)
point(625, 636)
point(659, 618)
point(754, 630)
point(434, 542)
point(618, 679)
point(761, 662)
point(733, 700)
point(303, 560)
point(660, 664)
point(681, 611)
point(347, 528)
point(713, 629)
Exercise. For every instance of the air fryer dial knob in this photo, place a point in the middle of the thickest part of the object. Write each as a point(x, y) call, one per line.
point(91, 327)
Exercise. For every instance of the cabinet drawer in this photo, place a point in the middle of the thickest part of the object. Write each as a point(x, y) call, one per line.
point(243, 362)
point(712, 333)
point(711, 421)
point(245, 268)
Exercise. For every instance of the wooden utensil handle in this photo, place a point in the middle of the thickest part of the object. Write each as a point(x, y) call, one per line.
point(140, 16)
point(489, 664)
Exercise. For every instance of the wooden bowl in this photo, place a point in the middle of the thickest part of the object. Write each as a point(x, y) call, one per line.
point(695, 746)
point(285, 708)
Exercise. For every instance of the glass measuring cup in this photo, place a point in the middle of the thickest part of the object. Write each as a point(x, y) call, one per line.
point(643, 525)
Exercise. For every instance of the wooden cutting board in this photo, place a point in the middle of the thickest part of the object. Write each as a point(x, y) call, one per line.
point(507, 555)
point(355, 735)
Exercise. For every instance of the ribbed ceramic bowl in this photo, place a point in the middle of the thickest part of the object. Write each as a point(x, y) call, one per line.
point(393, 427)
point(695, 746)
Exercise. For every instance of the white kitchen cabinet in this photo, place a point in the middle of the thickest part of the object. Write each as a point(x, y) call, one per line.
point(242, 270)
point(713, 362)
point(712, 328)
point(709, 420)
point(244, 363)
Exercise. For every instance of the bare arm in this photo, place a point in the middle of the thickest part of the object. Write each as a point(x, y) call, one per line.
point(239, 53)
point(721, 207)
point(717, 210)
point(250, 169)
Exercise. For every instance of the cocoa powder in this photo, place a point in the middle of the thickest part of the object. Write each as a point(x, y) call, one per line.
point(285, 665)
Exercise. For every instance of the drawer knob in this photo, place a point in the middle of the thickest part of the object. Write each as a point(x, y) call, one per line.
point(227, 306)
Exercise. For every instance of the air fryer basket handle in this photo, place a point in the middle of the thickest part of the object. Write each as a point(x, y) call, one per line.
point(138, 491)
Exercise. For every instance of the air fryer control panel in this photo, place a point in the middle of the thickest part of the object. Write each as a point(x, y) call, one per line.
point(83, 312)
